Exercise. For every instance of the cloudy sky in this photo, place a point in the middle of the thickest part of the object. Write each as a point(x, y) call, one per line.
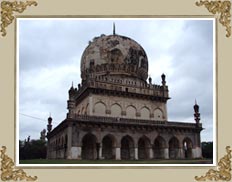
point(49, 60)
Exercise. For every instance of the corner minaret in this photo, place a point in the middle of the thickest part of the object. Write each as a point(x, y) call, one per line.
point(71, 102)
point(49, 126)
point(196, 113)
point(163, 79)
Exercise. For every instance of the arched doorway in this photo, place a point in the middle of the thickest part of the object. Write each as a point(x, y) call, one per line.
point(89, 147)
point(108, 147)
point(143, 148)
point(173, 148)
point(187, 147)
point(127, 148)
point(159, 146)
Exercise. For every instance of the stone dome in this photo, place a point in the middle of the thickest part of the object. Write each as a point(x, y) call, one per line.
point(114, 55)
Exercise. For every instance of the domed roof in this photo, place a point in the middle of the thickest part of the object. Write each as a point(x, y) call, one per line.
point(114, 55)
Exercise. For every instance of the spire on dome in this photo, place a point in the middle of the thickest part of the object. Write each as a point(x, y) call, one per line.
point(113, 28)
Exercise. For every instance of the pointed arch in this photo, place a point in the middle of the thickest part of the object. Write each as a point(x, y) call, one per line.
point(158, 147)
point(127, 148)
point(89, 147)
point(173, 148)
point(158, 114)
point(187, 147)
point(145, 113)
point(144, 145)
point(131, 111)
point(108, 146)
point(116, 110)
point(100, 108)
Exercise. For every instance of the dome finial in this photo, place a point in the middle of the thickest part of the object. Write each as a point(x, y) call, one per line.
point(113, 28)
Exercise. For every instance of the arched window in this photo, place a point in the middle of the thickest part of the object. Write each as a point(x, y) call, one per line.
point(116, 110)
point(158, 114)
point(100, 109)
point(131, 112)
point(145, 113)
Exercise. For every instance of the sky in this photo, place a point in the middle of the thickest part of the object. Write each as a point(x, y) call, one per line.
point(49, 54)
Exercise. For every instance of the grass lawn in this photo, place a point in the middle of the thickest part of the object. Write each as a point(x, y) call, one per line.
point(158, 161)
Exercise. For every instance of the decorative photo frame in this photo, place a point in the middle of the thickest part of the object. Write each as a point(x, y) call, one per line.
point(222, 171)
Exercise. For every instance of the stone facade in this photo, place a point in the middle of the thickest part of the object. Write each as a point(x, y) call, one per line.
point(116, 114)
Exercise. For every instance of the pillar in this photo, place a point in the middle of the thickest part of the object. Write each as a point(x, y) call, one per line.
point(69, 144)
point(100, 152)
point(180, 153)
point(136, 153)
point(118, 153)
point(166, 153)
point(151, 156)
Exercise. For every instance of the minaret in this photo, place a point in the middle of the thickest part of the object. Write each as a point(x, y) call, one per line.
point(150, 80)
point(71, 102)
point(163, 79)
point(196, 113)
point(49, 126)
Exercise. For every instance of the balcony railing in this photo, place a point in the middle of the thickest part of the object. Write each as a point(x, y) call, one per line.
point(102, 119)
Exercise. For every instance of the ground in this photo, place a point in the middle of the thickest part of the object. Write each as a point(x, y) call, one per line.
point(63, 161)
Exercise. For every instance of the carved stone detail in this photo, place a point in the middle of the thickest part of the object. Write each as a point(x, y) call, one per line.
point(224, 169)
point(8, 171)
point(221, 7)
point(7, 12)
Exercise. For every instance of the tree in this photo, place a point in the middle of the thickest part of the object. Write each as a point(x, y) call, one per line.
point(207, 149)
point(34, 149)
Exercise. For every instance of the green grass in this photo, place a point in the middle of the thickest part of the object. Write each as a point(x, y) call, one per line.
point(63, 161)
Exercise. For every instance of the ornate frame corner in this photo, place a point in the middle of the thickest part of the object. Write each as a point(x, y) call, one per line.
point(224, 169)
point(7, 9)
point(222, 8)
point(8, 171)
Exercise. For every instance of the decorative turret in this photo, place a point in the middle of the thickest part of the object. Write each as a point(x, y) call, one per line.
point(71, 91)
point(49, 126)
point(150, 80)
point(163, 79)
point(196, 113)
point(71, 101)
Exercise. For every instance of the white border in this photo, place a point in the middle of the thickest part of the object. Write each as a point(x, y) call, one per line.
point(116, 165)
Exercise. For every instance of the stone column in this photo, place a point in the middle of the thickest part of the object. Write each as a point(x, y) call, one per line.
point(136, 153)
point(79, 149)
point(100, 152)
point(151, 156)
point(180, 153)
point(118, 153)
point(166, 153)
point(69, 144)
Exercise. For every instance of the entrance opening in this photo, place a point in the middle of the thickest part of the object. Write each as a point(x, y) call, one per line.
point(187, 146)
point(108, 147)
point(173, 148)
point(143, 148)
point(127, 148)
point(159, 146)
point(89, 147)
